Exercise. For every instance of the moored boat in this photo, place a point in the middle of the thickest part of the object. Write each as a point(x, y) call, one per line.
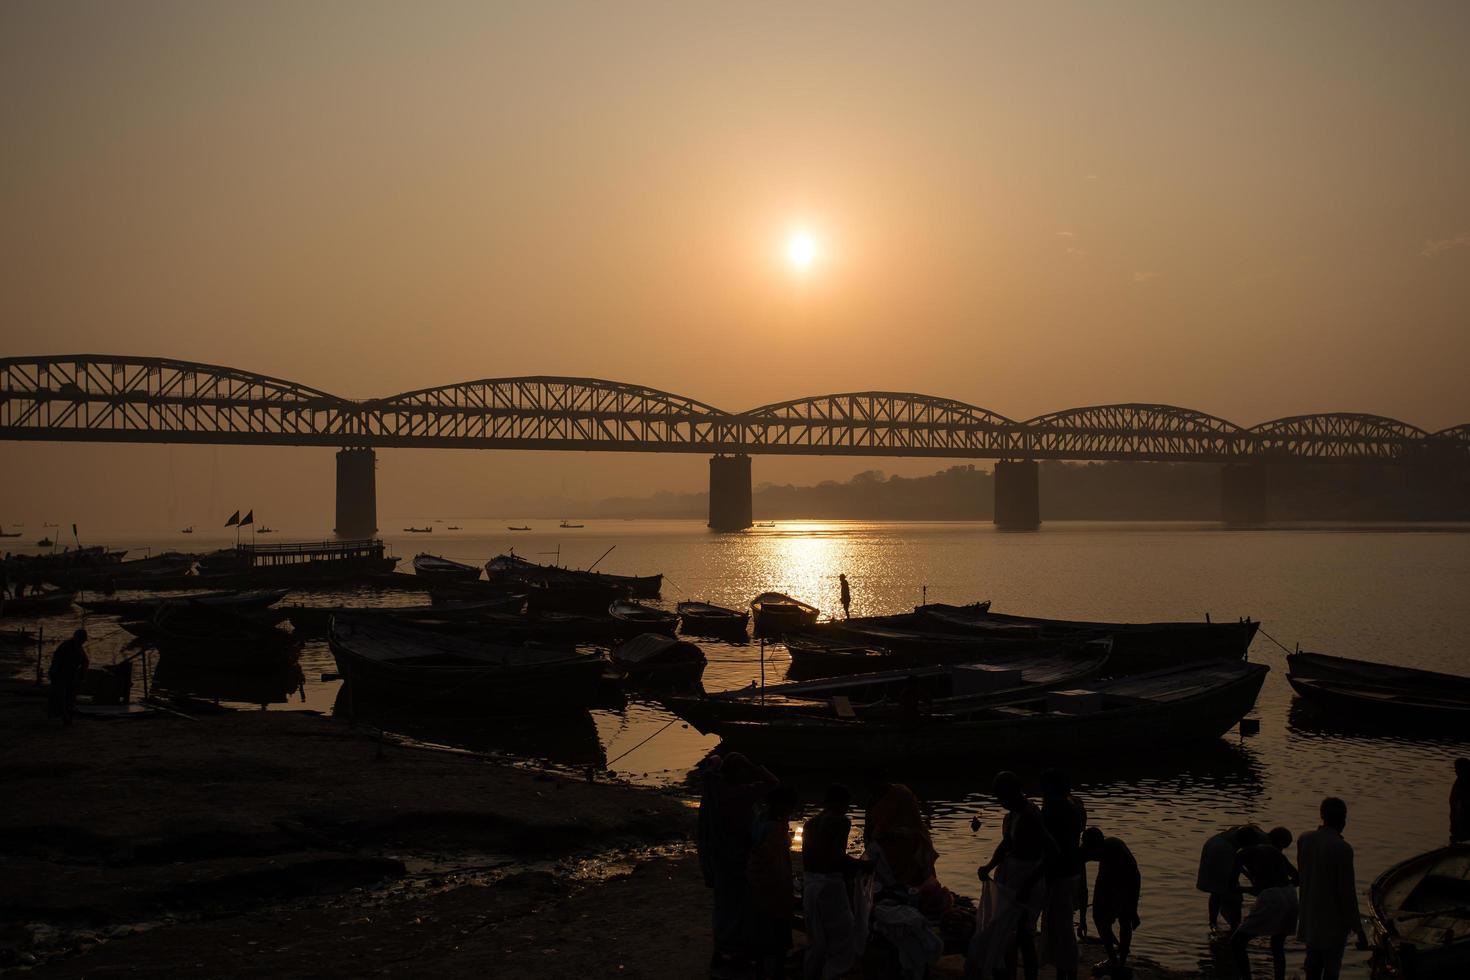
point(36, 604)
point(1150, 712)
point(646, 619)
point(1421, 915)
point(514, 568)
point(708, 619)
point(444, 569)
point(296, 564)
point(775, 614)
point(658, 659)
point(395, 664)
point(1363, 691)
point(228, 600)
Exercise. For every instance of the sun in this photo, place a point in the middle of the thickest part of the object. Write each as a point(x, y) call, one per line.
point(802, 250)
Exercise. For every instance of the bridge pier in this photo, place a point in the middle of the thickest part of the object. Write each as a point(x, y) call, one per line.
point(729, 493)
point(1243, 494)
point(357, 493)
point(1017, 495)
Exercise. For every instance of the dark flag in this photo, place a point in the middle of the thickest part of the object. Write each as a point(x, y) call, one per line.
point(249, 519)
point(234, 519)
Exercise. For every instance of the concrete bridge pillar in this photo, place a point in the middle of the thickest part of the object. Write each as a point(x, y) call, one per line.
point(1243, 494)
point(729, 493)
point(1017, 495)
point(357, 493)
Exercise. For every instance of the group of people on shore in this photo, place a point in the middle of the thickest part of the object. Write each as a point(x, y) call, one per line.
point(1034, 896)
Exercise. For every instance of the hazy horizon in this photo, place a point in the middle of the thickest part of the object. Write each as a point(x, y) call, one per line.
point(1254, 211)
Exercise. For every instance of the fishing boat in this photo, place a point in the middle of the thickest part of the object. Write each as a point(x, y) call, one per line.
point(444, 569)
point(265, 530)
point(522, 527)
point(646, 619)
point(514, 568)
point(776, 614)
point(764, 524)
point(36, 604)
point(1148, 713)
point(397, 664)
point(297, 564)
point(931, 690)
point(314, 621)
point(707, 619)
point(420, 530)
point(453, 527)
point(817, 654)
point(655, 659)
point(45, 543)
point(567, 525)
point(9, 534)
point(224, 601)
point(1420, 914)
point(188, 530)
point(216, 638)
point(1364, 691)
point(1136, 646)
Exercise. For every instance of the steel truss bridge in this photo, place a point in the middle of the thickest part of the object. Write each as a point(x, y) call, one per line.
point(105, 398)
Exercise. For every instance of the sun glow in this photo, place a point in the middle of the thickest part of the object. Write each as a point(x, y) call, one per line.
point(802, 250)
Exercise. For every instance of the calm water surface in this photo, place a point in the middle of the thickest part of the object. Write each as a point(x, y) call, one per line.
point(1391, 594)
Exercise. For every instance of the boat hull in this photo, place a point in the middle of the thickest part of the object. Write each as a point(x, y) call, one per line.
point(1420, 914)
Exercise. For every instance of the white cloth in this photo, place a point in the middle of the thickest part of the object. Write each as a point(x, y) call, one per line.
point(918, 945)
point(1274, 913)
point(831, 927)
point(999, 911)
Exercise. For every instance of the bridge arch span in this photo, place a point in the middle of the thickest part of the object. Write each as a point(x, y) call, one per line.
point(1128, 430)
point(1338, 436)
point(887, 423)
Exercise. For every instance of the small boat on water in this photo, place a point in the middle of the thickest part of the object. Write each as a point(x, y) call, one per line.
point(188, 530)
point(646, 618)
point(444, 569)
point(776, 614)
point(523, 527)
point(708, 619)
point(216, 638)
point(45, 543)
point(396, 664)
point(226, 601)
point(656, 659)
point(567, 525)
point(514, 568)
point(1420, 913)
point(932, 690)
point(453, 527)
point(420, 530)
point(1151, 712)
point(265, 530)
point(314, 621)
point(36, 604)
point(1364, 691)
point(819, 653)
point(9, 534)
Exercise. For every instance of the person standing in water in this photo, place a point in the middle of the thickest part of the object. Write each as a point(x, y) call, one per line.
point(1274, 914)
point(846, 597)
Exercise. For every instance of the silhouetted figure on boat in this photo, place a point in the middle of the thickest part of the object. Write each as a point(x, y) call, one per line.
point(1216, 861)
point(732, 786)
point(1460, 803)
point(827, 895)
point(1329, 896)
point(769, 872)
point(1065, 818)
point(69, 665)
point(1273, 881)
point(846, 597)
point(896, 837)
point(1013, 885)
point(1115, 893)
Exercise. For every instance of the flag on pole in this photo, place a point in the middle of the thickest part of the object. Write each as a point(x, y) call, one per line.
point(234, 519)
point(249, 519)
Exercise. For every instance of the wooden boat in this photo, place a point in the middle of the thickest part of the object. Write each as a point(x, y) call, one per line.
point(397, 664)
point(9, 534)
point(45, 543)
point(36, 604)
point(273, 685)
point(444, 569)
point(817, 654)
point(420, 530)
point(776, 614)
point(453, 527)
point(941, 690)
point(1364, 691)
point(523, 527)
point(314, 621)
point(566, 525)
point(188, 530)
point(514, 568)
point(1149, 713)
point(230, 600)
point(656, 659)
point(1136, 646)
point(1420, 913)
point(296, 564)
point(707, 619)
point(646, 619)
point(203, 637)
point(265, 530)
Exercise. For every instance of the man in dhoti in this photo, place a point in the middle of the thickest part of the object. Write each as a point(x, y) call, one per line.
point(1011, 900)
point(1273, 880)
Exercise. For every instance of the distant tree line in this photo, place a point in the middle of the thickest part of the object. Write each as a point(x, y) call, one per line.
point(1114, 491)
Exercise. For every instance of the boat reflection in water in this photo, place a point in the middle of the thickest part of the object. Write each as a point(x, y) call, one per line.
point(180, 677)
point(568, 739)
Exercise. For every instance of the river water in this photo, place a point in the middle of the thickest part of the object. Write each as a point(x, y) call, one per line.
point(1396, 594)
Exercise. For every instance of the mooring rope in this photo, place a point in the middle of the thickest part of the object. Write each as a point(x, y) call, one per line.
point(640, 745)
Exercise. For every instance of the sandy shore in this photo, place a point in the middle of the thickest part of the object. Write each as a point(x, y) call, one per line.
point(281, 843)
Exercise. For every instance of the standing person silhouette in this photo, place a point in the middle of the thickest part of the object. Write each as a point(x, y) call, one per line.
point(846, 597)
point(1329, 897)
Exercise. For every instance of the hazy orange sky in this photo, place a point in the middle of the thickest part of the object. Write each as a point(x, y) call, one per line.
point(1251, 209)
